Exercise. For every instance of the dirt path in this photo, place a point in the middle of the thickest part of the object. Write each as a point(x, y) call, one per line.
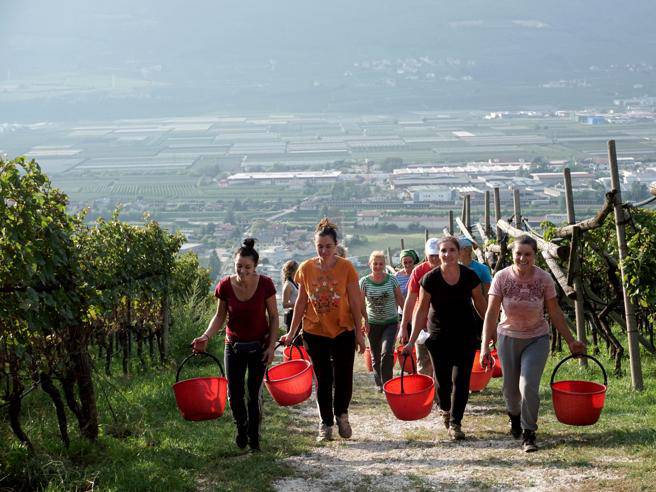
point(387, 454)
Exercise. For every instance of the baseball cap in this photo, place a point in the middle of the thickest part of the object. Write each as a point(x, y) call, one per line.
point(465, 243)
point(432, 246)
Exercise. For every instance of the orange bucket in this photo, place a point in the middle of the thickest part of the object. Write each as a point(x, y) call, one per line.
point(578, 402)
point(496, 370)
point(367, 359)
point(480, 376)
point(290, 383)
point(201, 398)
point(410, 397)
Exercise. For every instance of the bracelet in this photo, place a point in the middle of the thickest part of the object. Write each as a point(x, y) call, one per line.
point(207, 337)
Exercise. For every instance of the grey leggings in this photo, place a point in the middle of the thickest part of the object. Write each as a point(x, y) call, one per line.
point(523, 361)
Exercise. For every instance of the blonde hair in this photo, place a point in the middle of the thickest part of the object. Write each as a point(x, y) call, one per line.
point(376, 254)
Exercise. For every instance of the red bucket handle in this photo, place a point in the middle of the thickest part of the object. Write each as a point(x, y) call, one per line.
point(177, 374)
point(280, 344)
point(414, 369)
point(292, 347)
point(553, 374)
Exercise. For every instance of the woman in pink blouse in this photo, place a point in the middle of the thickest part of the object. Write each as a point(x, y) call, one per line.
point(523, 290)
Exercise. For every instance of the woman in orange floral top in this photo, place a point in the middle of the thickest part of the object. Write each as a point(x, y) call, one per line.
point(328, 304)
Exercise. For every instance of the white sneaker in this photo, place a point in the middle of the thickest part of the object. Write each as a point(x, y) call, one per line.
point(343, 426)
point(325, 433)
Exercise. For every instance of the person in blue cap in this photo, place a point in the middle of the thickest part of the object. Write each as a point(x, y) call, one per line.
point(483, 271)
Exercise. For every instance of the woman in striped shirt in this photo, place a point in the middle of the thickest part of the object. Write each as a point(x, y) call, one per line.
point(381, 296)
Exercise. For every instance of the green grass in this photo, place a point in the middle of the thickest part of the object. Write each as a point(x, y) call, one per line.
point(148, 446)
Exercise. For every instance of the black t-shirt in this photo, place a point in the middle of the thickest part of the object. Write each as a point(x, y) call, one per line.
point(450, 315)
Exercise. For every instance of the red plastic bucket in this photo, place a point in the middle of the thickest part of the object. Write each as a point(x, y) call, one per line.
point(480, 376)
point(578, 402)
point(407, 364)
point(410, 397)
point(367, 359)
point(496, 370)
point(294, 352)
point(290, 383)
point(201, 398)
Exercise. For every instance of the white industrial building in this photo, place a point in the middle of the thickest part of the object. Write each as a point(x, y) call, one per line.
point(284, 178)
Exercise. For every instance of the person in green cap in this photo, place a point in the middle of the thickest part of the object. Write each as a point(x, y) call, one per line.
point(408, 259)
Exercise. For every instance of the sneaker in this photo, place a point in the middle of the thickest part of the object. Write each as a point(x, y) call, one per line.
point(343, 426)
point(515, 425)
point(325, 433)
point(446, 418)
point(528, 441)
point(455, 431)
point(241, 439)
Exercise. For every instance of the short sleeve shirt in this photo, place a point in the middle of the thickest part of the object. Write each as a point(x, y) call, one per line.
point(483, 271)
point(247, 320)
point(522, 302)
point(450, 315)
point(328, 312)
point(380, 299)
point(417, 274)
point(403, 279)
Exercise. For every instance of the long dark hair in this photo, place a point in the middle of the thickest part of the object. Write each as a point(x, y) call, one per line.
point(248, 249)
point(326, 228)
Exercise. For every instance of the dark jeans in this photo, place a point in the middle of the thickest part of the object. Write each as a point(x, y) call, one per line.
point(453, 366)
point(238, 358)
point(332, 359)
point(381, 341)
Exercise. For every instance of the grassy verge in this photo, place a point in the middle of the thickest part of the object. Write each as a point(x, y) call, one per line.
point(144, 443)
point(621, 443)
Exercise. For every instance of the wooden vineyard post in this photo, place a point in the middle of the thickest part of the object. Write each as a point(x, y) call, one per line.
point(450, 221)
point(426, 235)
point(389, 257)
point(486, 213)
point(629, 311)
point(402, 243)
point(467, 220)
point(575, 264)
point(518, 210)
point(503, 244)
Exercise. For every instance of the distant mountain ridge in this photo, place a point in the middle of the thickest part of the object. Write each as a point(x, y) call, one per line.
point(330, 56)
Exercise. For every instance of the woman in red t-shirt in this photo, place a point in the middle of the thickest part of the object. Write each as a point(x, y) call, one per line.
point(248, 301)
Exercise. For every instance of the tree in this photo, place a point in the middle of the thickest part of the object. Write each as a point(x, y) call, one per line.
point(215, 265)
point(391, 163)
point(230, 216)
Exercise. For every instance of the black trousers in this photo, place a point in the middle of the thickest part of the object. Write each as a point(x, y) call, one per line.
point(332, 359)
point(452, 363)
point(240, 357)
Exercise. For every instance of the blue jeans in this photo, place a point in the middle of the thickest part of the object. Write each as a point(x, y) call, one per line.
point(382, 342)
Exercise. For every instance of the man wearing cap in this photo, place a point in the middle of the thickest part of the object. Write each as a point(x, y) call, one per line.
point(424, 364)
